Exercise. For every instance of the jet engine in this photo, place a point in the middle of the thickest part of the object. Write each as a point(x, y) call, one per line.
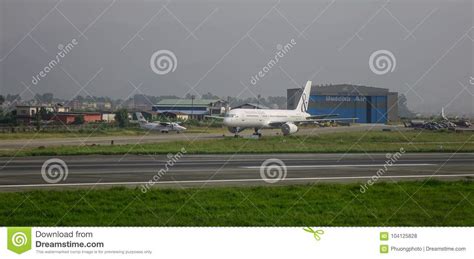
point(289, 128)
point(235, 130)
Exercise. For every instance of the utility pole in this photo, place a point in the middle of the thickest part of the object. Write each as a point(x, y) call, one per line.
point(192, 106)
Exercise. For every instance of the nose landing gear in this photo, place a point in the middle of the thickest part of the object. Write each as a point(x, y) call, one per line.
point(235, 130)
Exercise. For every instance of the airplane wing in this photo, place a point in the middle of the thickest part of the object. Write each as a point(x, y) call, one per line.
point(322, 116)
point(279, 124)
point(214, 117)
point(276, 124)
point(326, 119)
point(332, 119)
point(163, 123)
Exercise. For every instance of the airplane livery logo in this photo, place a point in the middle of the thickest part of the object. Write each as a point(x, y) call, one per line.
point(305, 103)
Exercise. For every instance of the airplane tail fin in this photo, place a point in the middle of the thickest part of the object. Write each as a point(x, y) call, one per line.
point(304, 99)
point(443, 115)
point(140, 118)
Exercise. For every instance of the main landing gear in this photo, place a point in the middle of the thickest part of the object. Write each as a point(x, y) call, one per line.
point(257, 133)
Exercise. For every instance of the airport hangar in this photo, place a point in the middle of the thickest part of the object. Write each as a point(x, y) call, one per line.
point(367, 104)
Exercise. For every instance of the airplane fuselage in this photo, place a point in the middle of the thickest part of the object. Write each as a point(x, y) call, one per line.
point(262, 118)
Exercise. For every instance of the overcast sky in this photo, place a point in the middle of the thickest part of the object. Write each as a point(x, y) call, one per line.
point(220, 45)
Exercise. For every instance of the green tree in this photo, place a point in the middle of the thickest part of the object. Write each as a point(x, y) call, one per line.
point(78, 120)
point(403, 110)
point(209, 96)
point(13, 97)
point(7, 117)
point(38, 120)
point(43, 114)
point(47, 97)
point(121, 117)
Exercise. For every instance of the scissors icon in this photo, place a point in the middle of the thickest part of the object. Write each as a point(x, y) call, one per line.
point(315, 233)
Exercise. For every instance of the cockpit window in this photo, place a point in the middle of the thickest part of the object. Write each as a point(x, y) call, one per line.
point(229, 115)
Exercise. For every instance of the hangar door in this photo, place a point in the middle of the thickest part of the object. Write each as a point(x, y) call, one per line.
point(376, 109)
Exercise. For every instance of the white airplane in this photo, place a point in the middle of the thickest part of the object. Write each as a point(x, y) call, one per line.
point(239, 119)
point(164, 127)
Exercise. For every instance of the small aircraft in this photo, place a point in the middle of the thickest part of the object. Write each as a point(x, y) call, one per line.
point(163, 127)
point(239, 119)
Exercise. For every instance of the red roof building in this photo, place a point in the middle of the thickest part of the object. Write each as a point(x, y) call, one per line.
point(70, 117)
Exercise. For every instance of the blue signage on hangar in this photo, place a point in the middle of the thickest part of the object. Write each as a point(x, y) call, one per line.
point(367, 109)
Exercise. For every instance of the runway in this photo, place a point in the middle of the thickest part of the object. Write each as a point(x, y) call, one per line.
point(234, 170)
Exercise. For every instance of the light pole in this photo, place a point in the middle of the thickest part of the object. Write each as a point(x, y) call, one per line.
point(192, 106)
